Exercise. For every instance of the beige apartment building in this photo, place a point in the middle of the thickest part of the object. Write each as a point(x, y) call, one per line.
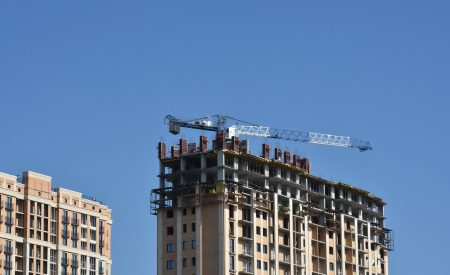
point(223, 210)
point(51, 231)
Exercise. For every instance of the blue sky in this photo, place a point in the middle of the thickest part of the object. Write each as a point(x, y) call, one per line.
point(84, 87)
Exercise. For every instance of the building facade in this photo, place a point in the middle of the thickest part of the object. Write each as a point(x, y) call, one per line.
point(223, 210)
point(51, 231)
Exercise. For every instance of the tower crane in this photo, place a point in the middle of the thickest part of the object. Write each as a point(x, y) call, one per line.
point(236, 127)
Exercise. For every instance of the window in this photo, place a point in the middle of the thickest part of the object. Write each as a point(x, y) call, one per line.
point(246, 214)
point(169, 213)
point(170, 230)
point(185, 245)
point(258, 230)
point(193, 244)
point(184, 211)
point(331, 266)
point(184, 262)
point(193, 261)
point(330, 234)
point(170, 264)
point(32, 206)
point(231, 212)
point(193, 211)
point(92, 247)
point(265, 266)
point(93, 234)
point(258, 247)
point(264, 215)
point(265, 249)
point(258, 264)
point(231, 262)
point(331, 250)
point(231, 245)
point(193, 227)
point(93, 221)
point(83, 218)
point(264, 232)
point(247, 249)
point(170, 247)
point(248, 266)
point(246, 231)
point(184, 228)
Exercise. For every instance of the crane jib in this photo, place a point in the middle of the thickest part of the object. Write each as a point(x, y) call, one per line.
point(241, 128)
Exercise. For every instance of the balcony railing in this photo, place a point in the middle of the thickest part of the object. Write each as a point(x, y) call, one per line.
point(74, 236)
point(8, 221)
point(65, 219)
point(9, 249)
point(75, 222)
point(64, 262)
point(65, 234)
point(8, 265)
point(9, 207)
point(74, 263)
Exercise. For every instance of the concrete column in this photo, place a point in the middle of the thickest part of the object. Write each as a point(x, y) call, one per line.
point(220, 164)
point(226, 246)
point(356, 246)
point(275, 229)
point(179, 224)
point(308, 246)
point(253, 215)
point(179, 229)
point(291, 235)
point(160, 230)
point(369, 248)
point(342, 245)
point(386, 266)
point(26, 256)
point(327, 252)
point(266, 174)
point(220, 211)
point(198, 221)
point(221, 238)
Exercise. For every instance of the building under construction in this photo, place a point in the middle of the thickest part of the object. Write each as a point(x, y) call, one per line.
point(223, 210)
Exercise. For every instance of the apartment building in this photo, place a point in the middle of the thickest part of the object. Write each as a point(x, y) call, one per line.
point(224, 210)
point(51, 231)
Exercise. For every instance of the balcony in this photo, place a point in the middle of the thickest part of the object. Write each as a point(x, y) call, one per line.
point(8, 221)
point(101, 270)
point(8, 265)
point(9, 207)
point(101, 243)
point(9, 250)
point(74, 263)
point(75, 222)
point(74, 236)
point(65, 234)
point(65, 220)
point(64, 262)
